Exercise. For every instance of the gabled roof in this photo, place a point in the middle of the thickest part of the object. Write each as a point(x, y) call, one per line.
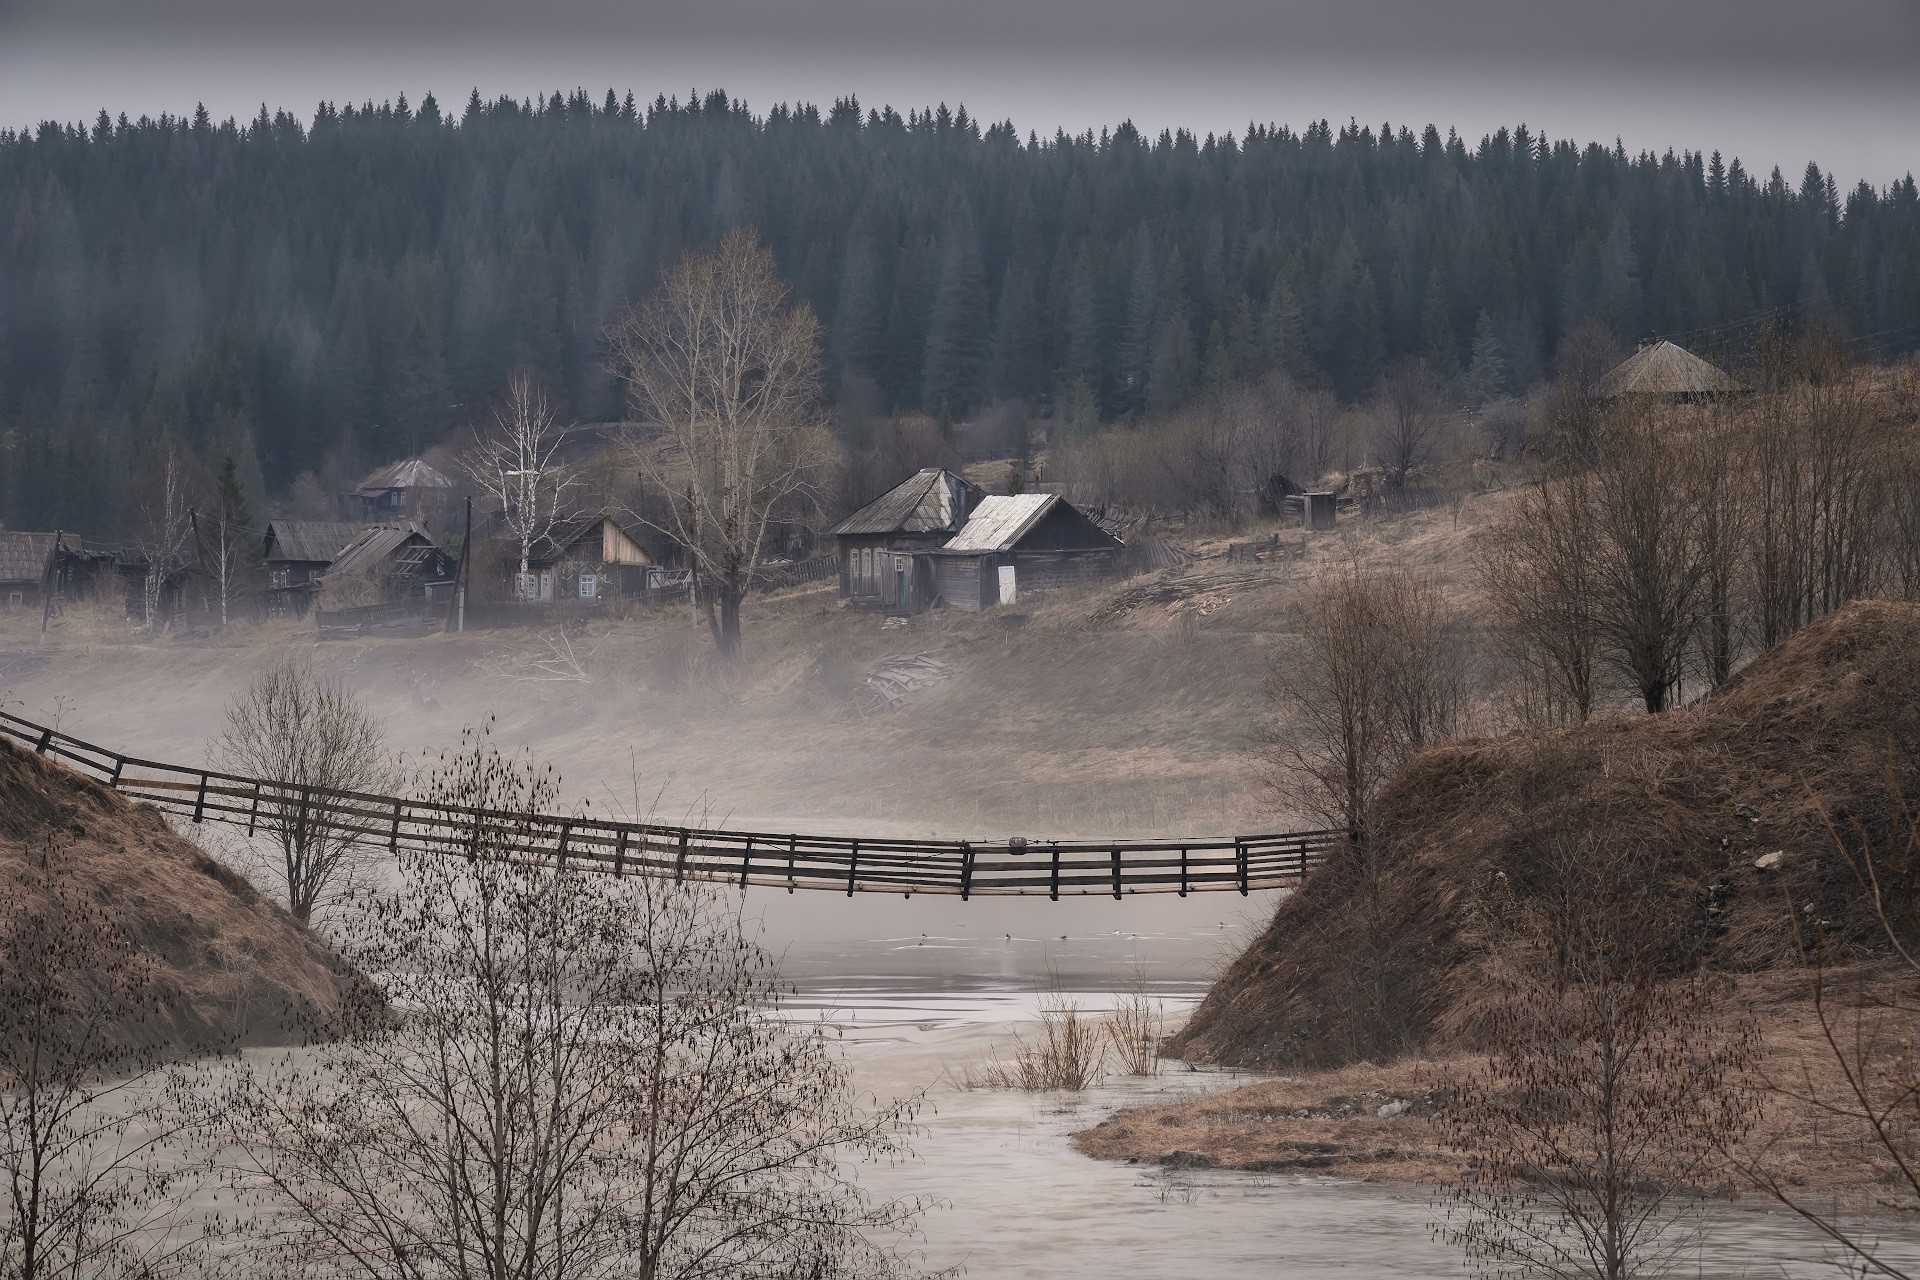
point(374, 545)
point(565, 533)
point(23, 556)
point(310, 541)
point(932, 500)
point(1662, 369)
point(1001, 521)
point(408, 473)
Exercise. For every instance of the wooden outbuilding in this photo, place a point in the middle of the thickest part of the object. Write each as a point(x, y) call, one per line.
point(298, 553)
point(26, 563)
point(1018, 543)
point(883, 545)
point(386, 563)
point(402, 491)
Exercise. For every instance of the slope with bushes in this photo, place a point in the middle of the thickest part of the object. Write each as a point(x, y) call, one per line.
point(1733, 804)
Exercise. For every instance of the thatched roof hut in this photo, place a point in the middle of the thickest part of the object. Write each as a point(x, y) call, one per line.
point(1667, 372)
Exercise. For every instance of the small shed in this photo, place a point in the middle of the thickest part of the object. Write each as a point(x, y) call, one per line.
point(404, 490)
point(394, 562)
point(598, 557)
point(1319, 508)
point(1018, 543)
point(298, 553)
point(25, 559)
point(1663, 371)
point(882, 546)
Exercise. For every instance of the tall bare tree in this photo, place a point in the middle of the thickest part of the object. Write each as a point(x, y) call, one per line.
point(724, 372)
point(164, 499)
point(516, 459)
point(577, 1077)
point(1537, 568)
point(1409, 414)
point(303, 733)
point(85, 1115)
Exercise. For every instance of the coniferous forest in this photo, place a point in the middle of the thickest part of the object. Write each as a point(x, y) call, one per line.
point(276, 292)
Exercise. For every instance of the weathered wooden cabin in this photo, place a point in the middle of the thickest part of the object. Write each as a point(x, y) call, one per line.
point(1020, 542)
point(26, 560)
point(298, 553)
point(883, 545)
point(402, 491)
point(597, 557)
point(385, 563)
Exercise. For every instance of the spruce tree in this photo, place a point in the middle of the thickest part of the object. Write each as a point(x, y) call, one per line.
point(1486, 377)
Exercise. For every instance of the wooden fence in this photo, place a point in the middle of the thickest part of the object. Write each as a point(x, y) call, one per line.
point(851, 864)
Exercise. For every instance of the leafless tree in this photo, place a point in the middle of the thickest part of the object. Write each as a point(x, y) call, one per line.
point(1380, 674)
point(1607, 1095)
point(516, 460)
point(165, 496)
point(577, 1076)
point(88, 1127)
point(1409, 415)
point(1537, 568)
point(304, 733)
point(1722, 490)
point(725, 371)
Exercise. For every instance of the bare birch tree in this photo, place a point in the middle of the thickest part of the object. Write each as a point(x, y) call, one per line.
point(304, 733)
point(578, 1077)
point(516, 460)
point(163, 523)
point(724, 372)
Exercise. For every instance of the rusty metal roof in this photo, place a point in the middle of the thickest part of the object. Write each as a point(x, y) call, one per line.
point(23, 556)
point(408, 473)
point(1001, 521)
point(1662, 369)
point(932, 500)
point(310, 541)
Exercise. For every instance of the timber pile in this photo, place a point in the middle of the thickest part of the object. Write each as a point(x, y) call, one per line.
point(1173, 589)
point(891, 682)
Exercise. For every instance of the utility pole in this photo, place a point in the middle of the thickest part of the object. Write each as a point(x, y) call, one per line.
point(52, 583)
point(462, 572)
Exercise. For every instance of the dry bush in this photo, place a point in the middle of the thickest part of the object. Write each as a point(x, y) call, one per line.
point(1066, 1056)
point(1609, 1091)
point(1133, 1031)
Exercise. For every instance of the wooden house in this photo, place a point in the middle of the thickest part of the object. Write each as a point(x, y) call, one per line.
point(883, 545)
point(385, 563)
point(298, 553)
point(26, 560)
point(402, 491)
point(1016, 543)
point(597, 557)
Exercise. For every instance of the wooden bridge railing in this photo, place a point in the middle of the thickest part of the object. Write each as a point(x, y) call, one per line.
point(850, 864)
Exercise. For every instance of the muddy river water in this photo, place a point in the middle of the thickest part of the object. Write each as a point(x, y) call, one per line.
point(1018, 1201)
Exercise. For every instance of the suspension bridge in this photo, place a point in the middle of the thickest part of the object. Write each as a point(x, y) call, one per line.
point(850, 864)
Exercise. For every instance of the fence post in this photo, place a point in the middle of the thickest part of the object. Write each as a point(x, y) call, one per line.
point(253, 810)
point(1053, 885)
point(300, 818)
point(620, 855)
point(746, 861)
point(966, 871)
point(200, 800)
point(853, 865)
point(1116, 875)
point(1183, 871)
point(393, 835)
point(46, 740)
point(792, 848)
point(119, 763)
point(680, 862)
point(1240, 864)
point(566, 830)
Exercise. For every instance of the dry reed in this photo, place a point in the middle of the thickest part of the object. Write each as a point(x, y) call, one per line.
point(1067, 1055)
point(1133, 1031)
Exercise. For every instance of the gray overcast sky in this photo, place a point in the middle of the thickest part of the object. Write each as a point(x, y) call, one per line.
point(1773, 81)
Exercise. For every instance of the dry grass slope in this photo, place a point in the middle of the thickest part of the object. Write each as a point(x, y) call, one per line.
point(234, 967)
point(1809, 731)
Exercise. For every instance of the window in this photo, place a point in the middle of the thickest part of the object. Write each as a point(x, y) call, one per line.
point(589, 587)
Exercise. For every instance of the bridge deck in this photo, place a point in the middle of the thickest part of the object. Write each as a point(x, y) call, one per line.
point(849, 864)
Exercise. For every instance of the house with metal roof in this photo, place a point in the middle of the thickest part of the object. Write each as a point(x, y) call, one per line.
point(1020, 542)
point(594, 557)
point(1663, 371)
point(298, 553)
point(878, 543)
point(26, 560)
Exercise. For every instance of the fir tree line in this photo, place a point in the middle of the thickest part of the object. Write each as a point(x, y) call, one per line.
point(273, 291)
